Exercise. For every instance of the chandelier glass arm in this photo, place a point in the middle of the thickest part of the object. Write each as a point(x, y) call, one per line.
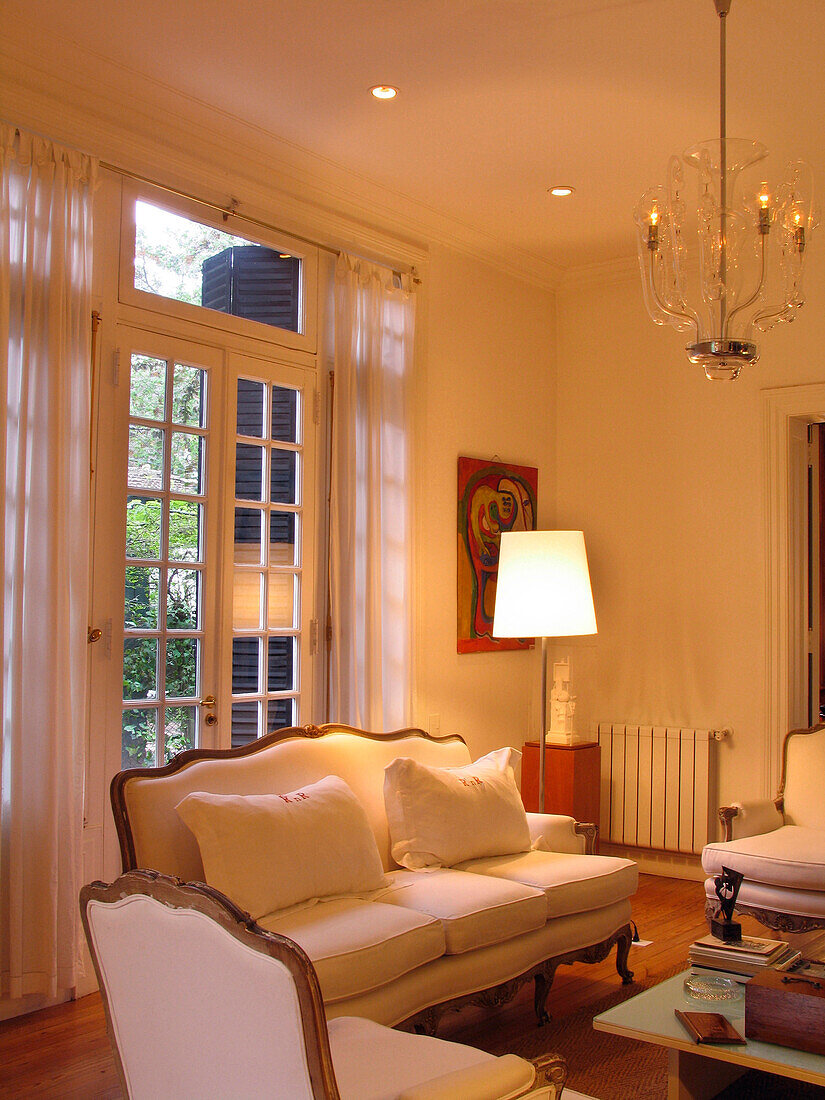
point(674, 314)
point(754, 297)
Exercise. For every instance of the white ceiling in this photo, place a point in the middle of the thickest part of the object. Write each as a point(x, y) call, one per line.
point(499, 99)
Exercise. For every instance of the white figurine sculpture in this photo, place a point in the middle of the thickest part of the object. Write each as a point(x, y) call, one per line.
point(562, 706)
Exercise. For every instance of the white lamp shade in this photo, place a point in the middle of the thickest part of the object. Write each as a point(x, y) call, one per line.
point(543, 586)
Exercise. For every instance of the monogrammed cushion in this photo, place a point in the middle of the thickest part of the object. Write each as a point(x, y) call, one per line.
point(269, 851)
point(441, 816)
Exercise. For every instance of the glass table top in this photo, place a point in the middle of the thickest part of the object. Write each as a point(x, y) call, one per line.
point(650, 1016)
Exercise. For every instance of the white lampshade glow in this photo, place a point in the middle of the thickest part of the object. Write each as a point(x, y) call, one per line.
point(543, 587)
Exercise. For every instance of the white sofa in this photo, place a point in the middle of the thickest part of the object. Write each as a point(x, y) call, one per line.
point(778, 844)
point(430, 940)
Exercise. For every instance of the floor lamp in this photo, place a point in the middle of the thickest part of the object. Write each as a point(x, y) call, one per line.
point(543, 591)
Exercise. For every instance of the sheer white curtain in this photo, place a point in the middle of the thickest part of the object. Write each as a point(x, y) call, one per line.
point(371, 535)
point(45, 285)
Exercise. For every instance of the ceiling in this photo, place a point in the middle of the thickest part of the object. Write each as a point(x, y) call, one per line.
point(499, 99)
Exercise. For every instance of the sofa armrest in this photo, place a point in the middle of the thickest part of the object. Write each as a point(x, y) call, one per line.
point(742, 819)
point(558, 832)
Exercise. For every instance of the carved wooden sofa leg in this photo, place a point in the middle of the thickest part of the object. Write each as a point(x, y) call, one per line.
point(624, 939)
point(542, 983)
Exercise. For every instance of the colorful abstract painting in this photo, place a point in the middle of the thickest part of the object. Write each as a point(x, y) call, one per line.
point(492, 497)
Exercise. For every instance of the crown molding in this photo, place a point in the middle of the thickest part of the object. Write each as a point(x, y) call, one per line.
point(600, 274)
point(143, 126)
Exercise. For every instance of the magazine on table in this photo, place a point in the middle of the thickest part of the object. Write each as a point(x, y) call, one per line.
point(748, 945)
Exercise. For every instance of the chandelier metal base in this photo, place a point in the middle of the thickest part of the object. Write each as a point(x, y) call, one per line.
point(722, 360)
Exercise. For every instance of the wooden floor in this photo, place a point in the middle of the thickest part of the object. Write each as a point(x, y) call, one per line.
point(64, 1051)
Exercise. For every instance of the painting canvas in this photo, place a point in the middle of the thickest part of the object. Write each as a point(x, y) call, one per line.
point(492, 497)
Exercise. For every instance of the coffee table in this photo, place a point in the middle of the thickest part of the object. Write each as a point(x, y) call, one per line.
point(700, 1071)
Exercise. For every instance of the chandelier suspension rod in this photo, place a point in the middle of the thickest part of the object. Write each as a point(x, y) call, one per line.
point(723, 7)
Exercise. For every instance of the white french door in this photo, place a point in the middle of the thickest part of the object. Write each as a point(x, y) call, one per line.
point(203, 555)
point(270, 520)
point(170, 515)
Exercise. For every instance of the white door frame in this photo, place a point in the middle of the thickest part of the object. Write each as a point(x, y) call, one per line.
point(779, 408)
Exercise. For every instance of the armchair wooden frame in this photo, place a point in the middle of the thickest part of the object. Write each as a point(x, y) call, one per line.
point(550, 1069)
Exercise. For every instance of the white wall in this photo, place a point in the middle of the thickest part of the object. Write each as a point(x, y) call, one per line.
point(665, 472)
point(487, 390)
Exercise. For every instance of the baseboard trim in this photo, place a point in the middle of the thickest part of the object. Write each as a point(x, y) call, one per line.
point(665, 864)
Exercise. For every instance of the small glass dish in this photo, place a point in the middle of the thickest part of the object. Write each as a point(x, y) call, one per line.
point(712, 989)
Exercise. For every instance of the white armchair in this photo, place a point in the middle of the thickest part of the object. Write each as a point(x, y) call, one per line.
point(779, 844)
point(200, 1001)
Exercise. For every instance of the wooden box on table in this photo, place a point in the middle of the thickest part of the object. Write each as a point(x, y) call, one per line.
point(787, 1009)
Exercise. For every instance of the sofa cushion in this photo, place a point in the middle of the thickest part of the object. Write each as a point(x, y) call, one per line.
point(269, 851)
point(572, 883)
point(474, 910)
point(357, 946)
point(792, 856)
point(441, 816)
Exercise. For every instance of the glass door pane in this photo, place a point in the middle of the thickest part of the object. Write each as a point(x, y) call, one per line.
point(165, 513)
point(269, 605)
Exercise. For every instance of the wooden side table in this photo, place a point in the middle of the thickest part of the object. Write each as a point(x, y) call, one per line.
point(571, 779)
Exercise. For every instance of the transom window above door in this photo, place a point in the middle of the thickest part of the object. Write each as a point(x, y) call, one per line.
point(225, 273)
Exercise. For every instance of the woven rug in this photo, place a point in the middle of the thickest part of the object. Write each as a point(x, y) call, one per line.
point(611, 1067)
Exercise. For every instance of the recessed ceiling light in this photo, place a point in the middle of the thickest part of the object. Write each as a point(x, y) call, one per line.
point(561, 192)
point(384, 91)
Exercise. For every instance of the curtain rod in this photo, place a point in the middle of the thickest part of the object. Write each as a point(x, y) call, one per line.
point(226, 212)
point(231, 211)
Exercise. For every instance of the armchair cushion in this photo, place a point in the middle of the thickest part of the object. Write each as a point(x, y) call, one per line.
point(372, 1063)
point(475, 910)
point(571, 883)
point(270, 851)
point(441, 816)
point(793, 856)
point(357, 946)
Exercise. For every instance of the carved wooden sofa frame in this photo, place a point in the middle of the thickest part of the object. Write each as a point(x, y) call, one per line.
point(133, 846)
point(761, 817)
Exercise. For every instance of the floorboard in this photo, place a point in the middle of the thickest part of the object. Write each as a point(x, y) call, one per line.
point(64, 1051)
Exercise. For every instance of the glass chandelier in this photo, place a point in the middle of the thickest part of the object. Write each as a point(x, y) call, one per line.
point(751, 245)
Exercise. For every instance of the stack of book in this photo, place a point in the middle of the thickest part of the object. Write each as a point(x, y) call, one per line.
point(747, 956)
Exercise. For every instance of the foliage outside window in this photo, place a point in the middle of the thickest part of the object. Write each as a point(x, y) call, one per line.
point(162, 581)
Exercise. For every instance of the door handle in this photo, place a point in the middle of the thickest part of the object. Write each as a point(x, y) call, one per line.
point(207, 701)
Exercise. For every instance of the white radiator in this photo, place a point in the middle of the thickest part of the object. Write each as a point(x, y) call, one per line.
point(656, 784)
